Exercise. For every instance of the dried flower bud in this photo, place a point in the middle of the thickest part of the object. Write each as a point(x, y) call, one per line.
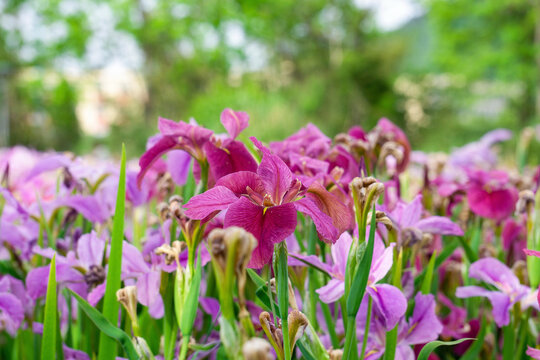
point(391, 148)
point(487, 250)
point(343, 139)
point(128, 298)
point(297, 323)
point(257, 349)
point(163, 211)
point(217, 246)
point(380, 218)
point(171, 253)
point(525, 203)
point(520, 269)
point(175, 207)
point(335, 354)
point(411, 236)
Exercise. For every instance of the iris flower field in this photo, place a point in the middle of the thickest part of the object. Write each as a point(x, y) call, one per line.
point(219, 246)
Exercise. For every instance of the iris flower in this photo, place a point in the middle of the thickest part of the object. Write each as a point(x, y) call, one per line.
point(265, 203)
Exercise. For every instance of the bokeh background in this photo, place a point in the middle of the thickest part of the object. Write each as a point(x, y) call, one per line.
point(81, 75)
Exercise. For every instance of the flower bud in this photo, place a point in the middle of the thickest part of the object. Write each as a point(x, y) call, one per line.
point(128, 298)
point(257, 349)
point(297, 324)
point(525, 203)
point(163, 211)
point(335, 354)
point(171, 252)
point(411, 236)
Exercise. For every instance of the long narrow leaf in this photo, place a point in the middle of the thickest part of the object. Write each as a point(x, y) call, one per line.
point(107, 346)
point(48, 345)
point(192, 301)
point(360, 279)
point(430, 347)
point(106, 328)
point(474, 350)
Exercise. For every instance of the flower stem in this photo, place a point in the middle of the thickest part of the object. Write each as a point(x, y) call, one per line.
point(366, 329)
point(184, 349)
point(350, 351)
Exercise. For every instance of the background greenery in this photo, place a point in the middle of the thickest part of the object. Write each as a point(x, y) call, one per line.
point(462, 68)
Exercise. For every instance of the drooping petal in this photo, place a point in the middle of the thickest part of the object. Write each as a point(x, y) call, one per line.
point(87, 206)
point(133, 261)
point(163, 145)
point(322, 222)
point(493, 204)
point(534, 353)
point(97, 294)
point(269, 226)
point(234, 121)
point(11, 313)
point(390, 303)
point(331, 206)
point(332, 291)
point(500, 302)
point(305, 260)
point(439, 225)
point(531, 252)
point(424, 326)
point(203, 205)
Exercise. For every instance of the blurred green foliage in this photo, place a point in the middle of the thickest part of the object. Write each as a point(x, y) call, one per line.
point(447, 77)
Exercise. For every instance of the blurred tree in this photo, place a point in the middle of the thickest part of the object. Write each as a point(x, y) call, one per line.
point(496, 40)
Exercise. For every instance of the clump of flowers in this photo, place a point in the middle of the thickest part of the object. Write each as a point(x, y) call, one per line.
point(355, 247)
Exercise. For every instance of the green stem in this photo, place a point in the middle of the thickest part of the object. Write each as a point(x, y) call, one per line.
point(350, 351)
point(330, 325)
point(184, 349)
point(366, 329)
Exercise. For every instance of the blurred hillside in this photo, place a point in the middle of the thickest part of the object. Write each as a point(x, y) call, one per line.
point(79, 74)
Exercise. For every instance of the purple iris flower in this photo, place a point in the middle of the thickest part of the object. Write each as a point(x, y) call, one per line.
point(407, 218)
point(224, 156)
point(509, 290)
point(422, 327)
point(13, 299)
point(265, 204)
point(388, 299)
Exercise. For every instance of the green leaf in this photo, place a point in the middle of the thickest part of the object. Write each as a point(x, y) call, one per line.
point(430, 347)
point(391, 344)
point(282, 276)
point(306, 354)
point(259, 281)
point(359, 282)
point(192, 300)
point(508, 342)
point(189, 187)
point(262, 294)
point(106, 327)
point(426, 284)
point(48, 344)
point(107, 346)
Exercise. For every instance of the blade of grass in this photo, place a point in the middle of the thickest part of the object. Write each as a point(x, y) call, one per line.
point(281, 270)
point(48, 344)
point(106, 327)
point(107, 346)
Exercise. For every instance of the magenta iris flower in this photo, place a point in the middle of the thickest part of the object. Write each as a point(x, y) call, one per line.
point(509, 290)
point(265, 203)
point(224, 155)
point(490, 195)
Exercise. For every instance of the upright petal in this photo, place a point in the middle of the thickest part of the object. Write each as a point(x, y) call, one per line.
point(238, 181)
point(203, 205)
point(275, 174)
point(88, 206)
point(439, 225)
point(90, 248)
point(411, 213)
point(234, 121)
point(495, 273)
point(148, 292)
point(340, 251)
point(382, 264)
point(231, 157)
point(389, 302)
